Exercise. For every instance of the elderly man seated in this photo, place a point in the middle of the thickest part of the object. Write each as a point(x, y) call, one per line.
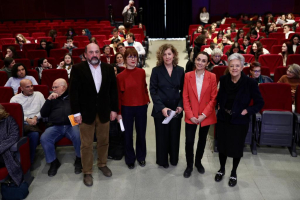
point(32, 103)
point(57, 109)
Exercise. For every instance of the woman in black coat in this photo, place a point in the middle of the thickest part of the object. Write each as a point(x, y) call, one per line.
point(234, 96)
point(166, 85)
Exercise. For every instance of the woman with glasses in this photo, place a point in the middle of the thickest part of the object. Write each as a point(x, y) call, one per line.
point(255, 73)
point(133, 105)
point(216, 60)
point(166, 84)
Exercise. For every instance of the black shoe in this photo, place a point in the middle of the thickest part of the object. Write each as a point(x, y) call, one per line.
point(78, 165)
point(187, 172)
point(219, 176)
point(131, 165)
point(53, 167)
point(232, 181)
point(142, 163)
point(201, 169)
point(166, 166)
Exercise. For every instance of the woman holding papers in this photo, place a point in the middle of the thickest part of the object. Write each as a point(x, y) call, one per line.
point(166, 85)
point(199, 101)
point(133, 105)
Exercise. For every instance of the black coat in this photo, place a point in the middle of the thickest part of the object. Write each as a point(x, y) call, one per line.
point(166, 91)
point(84, 98)
point(247, 91)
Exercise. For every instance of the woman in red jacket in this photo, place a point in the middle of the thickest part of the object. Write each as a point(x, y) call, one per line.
point(133, 105)
point(199, 101)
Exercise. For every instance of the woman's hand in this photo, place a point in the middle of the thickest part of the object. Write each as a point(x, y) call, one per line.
point(165, 112)
point(201, 118)
point(61, 64)
point(244, 112)
point(194, 120)
point(119, 117)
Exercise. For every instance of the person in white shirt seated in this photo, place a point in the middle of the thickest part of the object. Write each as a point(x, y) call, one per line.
point(18, 73)
point(290, 18)
point(137, 45)
point(67, 63)
point(32, 103)
point(281, 20)
point(287, 31)
point(116, 35)
point(210, 48)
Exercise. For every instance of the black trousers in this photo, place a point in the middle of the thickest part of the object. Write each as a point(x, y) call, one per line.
point(190, 132)
point(167, 140)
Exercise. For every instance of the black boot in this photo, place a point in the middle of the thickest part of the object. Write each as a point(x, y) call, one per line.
point(78, 165)
point(53, 167)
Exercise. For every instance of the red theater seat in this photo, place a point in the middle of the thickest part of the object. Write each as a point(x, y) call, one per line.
point(50, 75)
point(78, 51)
point(249, 58)
point(25, 61)
point(32, 54)
point(276, 49)
point(104, 59)
point(219, 71)
point(6, 94)
point(3, 78)
point(279, 72)
point(271, 60)
point(269, 42)
point(58, 53)
point(293, 58)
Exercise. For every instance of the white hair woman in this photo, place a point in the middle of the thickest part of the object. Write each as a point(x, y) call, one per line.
point(234, 96)
point(216, 60)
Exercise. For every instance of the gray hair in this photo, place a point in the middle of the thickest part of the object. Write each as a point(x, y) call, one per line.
point(236, 56)
point(295, 69)
point(217, 51)
point(131, 1)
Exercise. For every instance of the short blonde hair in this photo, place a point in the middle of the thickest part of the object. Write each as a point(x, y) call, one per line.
point(160, 53)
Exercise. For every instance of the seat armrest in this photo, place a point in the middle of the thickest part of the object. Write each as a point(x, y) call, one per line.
point(18, 144)
point(258, 117)
point(297, 116)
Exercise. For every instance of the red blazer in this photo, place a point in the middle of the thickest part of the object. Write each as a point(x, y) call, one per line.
point(194, 108)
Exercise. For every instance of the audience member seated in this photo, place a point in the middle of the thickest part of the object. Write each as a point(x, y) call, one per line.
point(86, 32)
point(257, 50)
point(53, 34)
point(106, 53)
point(43, 64)
point(274, 26)
point(292, 77)
point(226, 40)
point(9, 135)
point(258, 26)
point(57, 109)
point(216, 56)
point(93, 40)
point(246, 43)
point(211, 30)
point(255, 35)
point(210, 48)
point(116, 35)
point(287, 31)
point(269, 29)
point(295, 40)
point(295, 25)
point(114, 44)
point(290, 18)
point(286, 50)
point(281, 20)
point(235, 48)
point(255, 73)
point(67, 63)
point(199, 30)
point(119, 62)
point(198, 43)
point(44, 45)
point(69, 45)
point(239, 35)
point(8, 64)
point(122, 32)
point(231, 29)
point(137, 45)
point(219, 36)
point(20, 39)
point(82, 57)
point(11, 52)
point(32, 103)
point(18, 73)
point(121, 48)
point(71, 32)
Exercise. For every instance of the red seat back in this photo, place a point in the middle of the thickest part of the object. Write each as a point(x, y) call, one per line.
point(278, 36)
point(57, 53)
point(32, 54)
point(249, 58)
point(50, 75)
point(16, 111)
point(81, 38)
point(204, 47)
point(29, 46)
point(279, 72)
point(112, 59)
point(269, 42)
point(271, 60)
point(5, 46)
point(34, 73)
point(78, 51)
point(219, 71)
point(25, 61)
point(276, 49)
point(38, 34)
point(3, 78)
point(293, 58)
point(6, 94)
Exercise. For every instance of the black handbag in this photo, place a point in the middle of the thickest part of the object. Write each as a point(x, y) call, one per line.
point(10, 191)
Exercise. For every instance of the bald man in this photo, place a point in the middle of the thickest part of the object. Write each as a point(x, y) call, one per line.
point(57, 109)
point(32, 103)
point(94, 101)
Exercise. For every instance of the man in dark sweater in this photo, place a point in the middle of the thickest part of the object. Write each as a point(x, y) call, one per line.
point(57, 109)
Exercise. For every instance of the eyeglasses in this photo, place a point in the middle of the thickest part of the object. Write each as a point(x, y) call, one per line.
point(217, 56)
point(131, 57)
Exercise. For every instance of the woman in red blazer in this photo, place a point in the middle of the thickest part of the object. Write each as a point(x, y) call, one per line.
point(199, 101)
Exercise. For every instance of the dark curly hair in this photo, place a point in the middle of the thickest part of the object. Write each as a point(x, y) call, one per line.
point(14, 70)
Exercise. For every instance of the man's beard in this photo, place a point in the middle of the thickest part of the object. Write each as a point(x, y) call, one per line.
point(94, 60)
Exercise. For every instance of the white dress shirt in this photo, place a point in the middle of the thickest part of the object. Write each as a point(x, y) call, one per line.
point(138, 47)
point(199, 83)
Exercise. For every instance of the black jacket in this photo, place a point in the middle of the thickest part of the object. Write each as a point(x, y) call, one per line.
point(57, 110)
point(166, 91)
point(84, 98)
point(247, 91)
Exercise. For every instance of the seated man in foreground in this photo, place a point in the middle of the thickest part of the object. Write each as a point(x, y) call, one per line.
point(57, 109)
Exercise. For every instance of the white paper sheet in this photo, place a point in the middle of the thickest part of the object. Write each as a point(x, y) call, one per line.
point(121, 125)
point(168, 119)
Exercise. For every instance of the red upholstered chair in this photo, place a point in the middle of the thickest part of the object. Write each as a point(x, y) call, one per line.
point(271, 60)
point(105, 22)
point(32, 54)
point(232, 35)
point(38, 34)
point(25, 61)
point(219, 71)
point(269, 42)
point(50, 75)
point(48, 39)
point(6, 35)
point(4, 47)
point(283, 41)
point(4, 41)
point(121, 69)
point(81, 38)
point(58, 53)
point(34, 73)
point(193, 38)
point(278, 36)
point(52, 61)
point(3, 78)
point(21, 54)
point(106, 42)
point(103, 59)
point(6, 94)
point(78, 51)
point(76, 59)
point(106, 33)
point(29, 46)
point(208, 41)
point(226, 48)
point(109, 28)
point(249, 58)
point(204, 46)
point(224, 57)
point(293, 58)
point(276, 49)
point(138, 31)
point(21, 148)
point(279, 72)
point(298, 50)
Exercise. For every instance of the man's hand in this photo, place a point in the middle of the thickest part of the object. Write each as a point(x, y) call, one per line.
point(32, 121)
point(78, 119)
point(53, 96)
point(165, 112)
point(179, 110)
point(113, 115)
point(244, 112)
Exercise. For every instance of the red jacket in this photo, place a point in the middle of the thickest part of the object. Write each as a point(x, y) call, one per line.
point(194, 108)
